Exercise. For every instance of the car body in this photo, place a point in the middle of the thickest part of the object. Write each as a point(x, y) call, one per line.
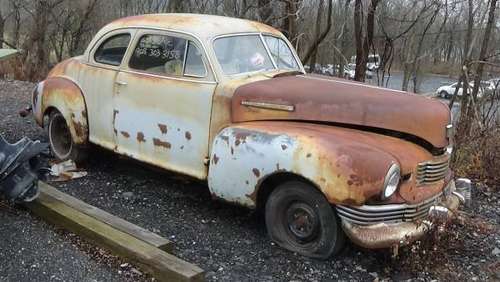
point(447, 91)
point(323, 157)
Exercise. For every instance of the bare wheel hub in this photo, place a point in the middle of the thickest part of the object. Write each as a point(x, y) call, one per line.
point(302, 222)
point(60, 136)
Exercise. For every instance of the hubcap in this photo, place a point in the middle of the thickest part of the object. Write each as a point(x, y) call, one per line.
point(302, 222)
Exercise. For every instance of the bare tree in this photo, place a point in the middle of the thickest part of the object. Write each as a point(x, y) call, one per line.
point(363, 36)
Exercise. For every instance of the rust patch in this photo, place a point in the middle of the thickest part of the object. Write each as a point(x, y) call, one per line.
point(125, 134)
point(163, 128)
point(247, 182)
point(80, 130)
point(225, 138)
point(188, 135)
point(256, 172)
point(232, 150)
point(308, 155)
point(241, 137)
point(283, 147)
point(115, 112)
point(356, 180)
point(158, 143)
point(216, 159)
point(140, 137)
point(252, 196)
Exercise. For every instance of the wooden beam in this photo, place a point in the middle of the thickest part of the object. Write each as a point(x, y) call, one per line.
point(162, 265)
point(114, 221)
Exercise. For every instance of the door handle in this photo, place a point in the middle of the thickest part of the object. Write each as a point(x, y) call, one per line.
point(120, 83)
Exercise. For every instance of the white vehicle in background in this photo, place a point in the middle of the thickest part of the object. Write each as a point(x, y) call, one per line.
point(372, 64)
point(350, 71)
point(447, 91)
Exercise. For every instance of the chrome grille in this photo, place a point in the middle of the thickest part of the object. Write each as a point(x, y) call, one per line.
point(432, 171)
point(393, 213)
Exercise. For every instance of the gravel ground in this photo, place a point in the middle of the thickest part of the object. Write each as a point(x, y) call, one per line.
point(231, 244)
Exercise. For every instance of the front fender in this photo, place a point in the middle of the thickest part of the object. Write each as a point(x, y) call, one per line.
point(334, 159)
point(64, 95)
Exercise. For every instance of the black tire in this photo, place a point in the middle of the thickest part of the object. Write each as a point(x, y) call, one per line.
point(443, 94)
point(61, 142)
point(300, 219)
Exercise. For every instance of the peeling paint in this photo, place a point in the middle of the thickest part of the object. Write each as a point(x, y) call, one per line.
point(159, 143)
point(163, 128)
point(140, 137)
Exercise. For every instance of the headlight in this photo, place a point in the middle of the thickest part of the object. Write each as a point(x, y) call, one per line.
point(391, 181)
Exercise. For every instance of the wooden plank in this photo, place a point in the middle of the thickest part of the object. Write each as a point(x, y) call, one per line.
point(162, 265)
point(116, 222)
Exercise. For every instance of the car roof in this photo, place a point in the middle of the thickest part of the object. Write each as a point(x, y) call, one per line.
point(202, 26)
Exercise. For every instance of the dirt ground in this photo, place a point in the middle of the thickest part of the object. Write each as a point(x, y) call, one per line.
point(230, 243)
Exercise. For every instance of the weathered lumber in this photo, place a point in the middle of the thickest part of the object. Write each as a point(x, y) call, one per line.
point(116, 222)
point(162, 265)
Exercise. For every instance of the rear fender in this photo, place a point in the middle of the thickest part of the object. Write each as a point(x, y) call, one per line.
point(245, 155)
point(65, 96)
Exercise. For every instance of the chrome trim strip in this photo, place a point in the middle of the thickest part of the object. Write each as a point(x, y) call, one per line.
point(269, 106)
point(392, 213)
point(169, 77)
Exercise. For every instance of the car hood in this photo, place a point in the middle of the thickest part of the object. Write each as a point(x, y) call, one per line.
point(314, 98)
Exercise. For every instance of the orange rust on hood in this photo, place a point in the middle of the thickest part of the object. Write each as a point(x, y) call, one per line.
point(344, 102)
point(188, 135)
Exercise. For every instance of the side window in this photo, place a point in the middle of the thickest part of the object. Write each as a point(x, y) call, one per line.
point(159, 54)
point(112, 51)
point(194, 62)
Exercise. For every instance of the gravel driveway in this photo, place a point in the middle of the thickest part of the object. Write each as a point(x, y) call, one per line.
point(231, 244)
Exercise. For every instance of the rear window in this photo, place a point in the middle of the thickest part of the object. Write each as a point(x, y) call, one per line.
point(112, 51)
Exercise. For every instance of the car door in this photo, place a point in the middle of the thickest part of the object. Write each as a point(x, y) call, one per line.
point(97, 79)
point(163, 104)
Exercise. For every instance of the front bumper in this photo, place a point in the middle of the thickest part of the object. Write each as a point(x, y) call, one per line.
point(401, 224)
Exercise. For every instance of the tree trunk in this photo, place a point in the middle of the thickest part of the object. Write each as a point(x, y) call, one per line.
point(318, 38)
point(363, 41)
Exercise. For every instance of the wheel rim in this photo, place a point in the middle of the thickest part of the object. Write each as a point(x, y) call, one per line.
point(60, 137)
point(302, 222)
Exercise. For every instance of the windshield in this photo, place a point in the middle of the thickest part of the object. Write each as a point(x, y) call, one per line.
point(247, 53)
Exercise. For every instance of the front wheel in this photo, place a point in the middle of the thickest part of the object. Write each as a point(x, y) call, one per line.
point(443, 94)
point(300, 219)
point(61, 142)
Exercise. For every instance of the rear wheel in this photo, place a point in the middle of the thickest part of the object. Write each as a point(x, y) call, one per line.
point(300, 219)
point(443, 94)
point(61, 142)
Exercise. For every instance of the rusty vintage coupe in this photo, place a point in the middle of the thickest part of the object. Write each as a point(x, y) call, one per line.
point(227, 101)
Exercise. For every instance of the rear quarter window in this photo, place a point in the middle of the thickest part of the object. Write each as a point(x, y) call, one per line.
point(112, 50)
